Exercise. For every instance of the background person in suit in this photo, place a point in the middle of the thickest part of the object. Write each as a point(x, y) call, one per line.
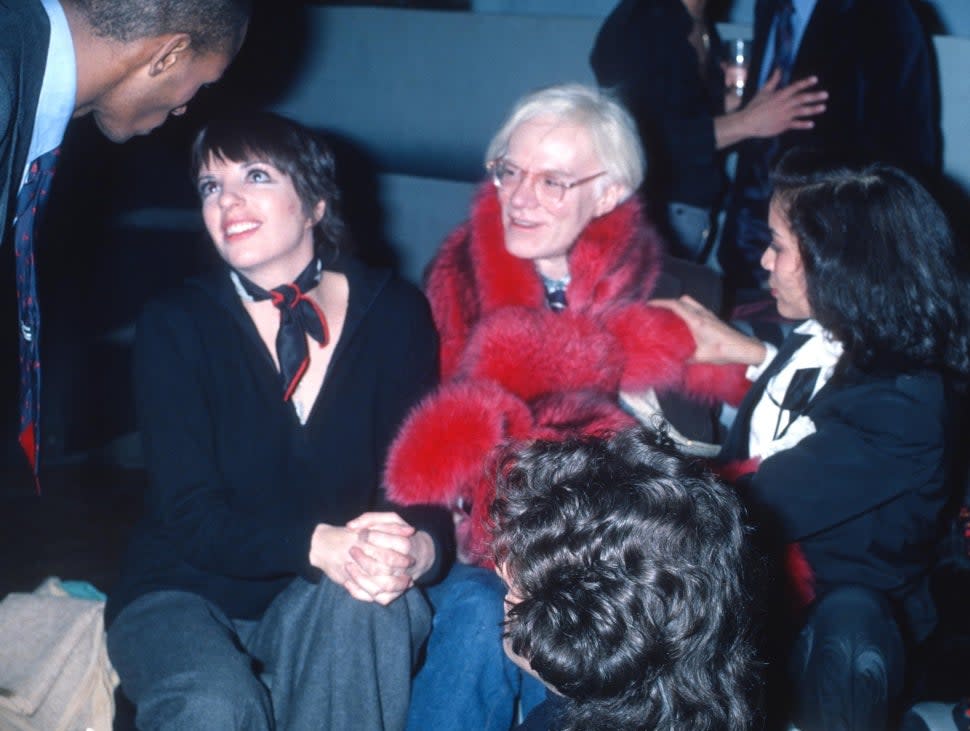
point(849, 425)
point(128, 63)
point(663, 59)
point(125, 62)
point(874, 60)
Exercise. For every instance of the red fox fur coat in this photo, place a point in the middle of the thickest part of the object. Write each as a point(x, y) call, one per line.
point(513, 369)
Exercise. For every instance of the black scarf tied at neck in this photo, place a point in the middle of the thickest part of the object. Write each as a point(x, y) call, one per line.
point(299, 316)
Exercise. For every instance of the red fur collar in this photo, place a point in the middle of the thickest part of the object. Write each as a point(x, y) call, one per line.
point(616, 257)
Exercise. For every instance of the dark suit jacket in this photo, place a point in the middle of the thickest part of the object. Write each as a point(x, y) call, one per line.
point(24, 37)
point(874, 60)
point(863, 494)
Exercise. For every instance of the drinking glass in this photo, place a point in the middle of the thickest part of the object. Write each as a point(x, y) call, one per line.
point(737, 57)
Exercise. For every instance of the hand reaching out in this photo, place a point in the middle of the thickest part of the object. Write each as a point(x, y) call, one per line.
point(716, 342)
point(775, 110)
point(772, 111)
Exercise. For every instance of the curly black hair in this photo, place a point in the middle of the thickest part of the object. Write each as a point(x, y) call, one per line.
point(631, 566)
point(883, 272)
point(293, 149)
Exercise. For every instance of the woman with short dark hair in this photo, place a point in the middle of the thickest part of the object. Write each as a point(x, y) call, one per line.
point(269, 584)
point(848, 424)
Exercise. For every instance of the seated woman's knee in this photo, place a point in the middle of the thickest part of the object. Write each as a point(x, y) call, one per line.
point(214, 698)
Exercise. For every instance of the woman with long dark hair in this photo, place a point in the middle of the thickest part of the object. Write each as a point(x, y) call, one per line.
point(848, 425)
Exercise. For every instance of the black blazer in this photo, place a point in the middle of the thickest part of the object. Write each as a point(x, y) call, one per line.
point(24, 38)
point(874, 59)
point(863, 494)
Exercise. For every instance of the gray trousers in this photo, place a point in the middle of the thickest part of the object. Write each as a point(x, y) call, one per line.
point(318, 659)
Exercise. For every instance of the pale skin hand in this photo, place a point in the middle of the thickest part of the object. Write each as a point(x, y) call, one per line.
point(717, 342)
point(376, 557)
point(772, 111)
point(731, 104)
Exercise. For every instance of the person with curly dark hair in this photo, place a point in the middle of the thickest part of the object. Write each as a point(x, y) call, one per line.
point(849, 425)
point(626, 571)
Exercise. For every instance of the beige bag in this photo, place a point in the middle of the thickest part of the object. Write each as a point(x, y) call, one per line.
point(54, 668)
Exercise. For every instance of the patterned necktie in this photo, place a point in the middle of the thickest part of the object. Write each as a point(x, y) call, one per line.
point(299, 316)
point(556, 299)
point(30, 201)
point(784, 40)
point(555, 292)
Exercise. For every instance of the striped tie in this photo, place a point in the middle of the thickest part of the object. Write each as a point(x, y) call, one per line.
point(784, 40)
point(556, 299)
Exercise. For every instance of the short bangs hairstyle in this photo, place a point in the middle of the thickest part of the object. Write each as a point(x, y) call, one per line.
point(610, 126)
point(291, 148)
point(882, 269)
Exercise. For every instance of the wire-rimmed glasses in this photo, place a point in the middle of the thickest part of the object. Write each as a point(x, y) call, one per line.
point(550, 188)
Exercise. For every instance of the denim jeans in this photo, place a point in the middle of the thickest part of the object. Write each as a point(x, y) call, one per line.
point(466, 681)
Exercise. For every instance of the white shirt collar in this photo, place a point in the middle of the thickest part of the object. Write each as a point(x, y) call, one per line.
point(829, 344)
point(820, 351)
point(58, 91)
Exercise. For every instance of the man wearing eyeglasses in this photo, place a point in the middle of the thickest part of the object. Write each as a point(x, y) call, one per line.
point(540, 300)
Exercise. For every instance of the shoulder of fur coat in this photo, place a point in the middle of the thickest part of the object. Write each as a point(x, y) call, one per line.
point(617, 258)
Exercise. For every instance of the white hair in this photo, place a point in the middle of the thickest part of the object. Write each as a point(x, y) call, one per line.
point(610, 127)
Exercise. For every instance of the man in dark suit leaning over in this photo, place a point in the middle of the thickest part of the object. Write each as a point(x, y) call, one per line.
point(873, 59)
point(128, 63)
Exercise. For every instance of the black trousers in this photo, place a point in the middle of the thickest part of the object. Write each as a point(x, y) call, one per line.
point(848, 663)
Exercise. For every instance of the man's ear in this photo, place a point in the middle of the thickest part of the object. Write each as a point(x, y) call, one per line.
point(609, 198)
point(169, 50)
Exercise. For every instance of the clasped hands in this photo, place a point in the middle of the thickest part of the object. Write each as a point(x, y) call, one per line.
point(376, 557)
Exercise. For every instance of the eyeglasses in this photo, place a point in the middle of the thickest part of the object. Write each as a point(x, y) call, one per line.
point(549, 189)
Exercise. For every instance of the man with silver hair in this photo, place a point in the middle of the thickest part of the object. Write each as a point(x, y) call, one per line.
point(540, 301)
point(610, 128)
